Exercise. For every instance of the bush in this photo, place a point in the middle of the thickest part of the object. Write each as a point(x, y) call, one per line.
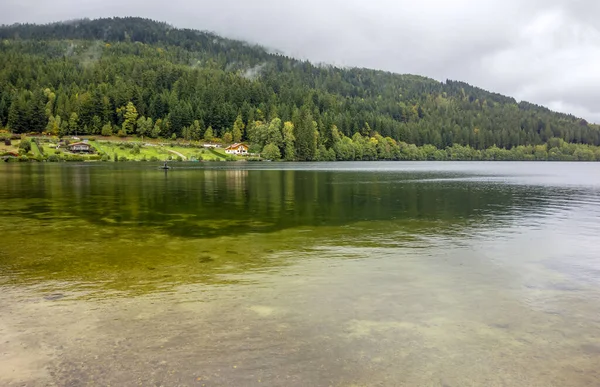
point(74, 158)
point(271, 152)
point(153, 158)
point(25, 145)
point(57, 152)
point(95, 158)
point(23, 158)
point(144, 158)
point(105, 158)
point(135, 150)
point(53, 159)
point(123, 158)
point(121, 133)
point(115, 158)
point(179, 159)
point(107, 130)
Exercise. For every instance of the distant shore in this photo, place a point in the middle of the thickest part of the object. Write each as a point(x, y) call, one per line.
point(45, 148)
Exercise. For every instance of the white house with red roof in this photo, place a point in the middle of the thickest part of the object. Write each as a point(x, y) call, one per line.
point(237, 149)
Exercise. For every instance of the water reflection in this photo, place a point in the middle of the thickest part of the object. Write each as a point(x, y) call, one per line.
point(188, 202)
point(137, 229)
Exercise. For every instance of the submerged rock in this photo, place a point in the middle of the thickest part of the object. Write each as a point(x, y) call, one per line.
point(205, 259)
point(54, 297)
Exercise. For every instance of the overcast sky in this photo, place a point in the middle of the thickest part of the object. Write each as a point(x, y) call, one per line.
point(542, 51)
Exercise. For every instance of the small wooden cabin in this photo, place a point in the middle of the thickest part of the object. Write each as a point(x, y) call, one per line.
point(80, 147)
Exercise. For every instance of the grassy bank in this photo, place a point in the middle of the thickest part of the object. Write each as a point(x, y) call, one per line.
point(114, 150)
point(136, 151)
point(111, 149)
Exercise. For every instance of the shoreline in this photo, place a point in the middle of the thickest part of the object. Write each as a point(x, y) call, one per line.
point(45, 148)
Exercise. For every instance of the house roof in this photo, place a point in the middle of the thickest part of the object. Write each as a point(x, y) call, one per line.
point(79, 143)
point(236, 145)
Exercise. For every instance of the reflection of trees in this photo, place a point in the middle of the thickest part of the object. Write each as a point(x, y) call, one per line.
point(211, 202)
point(125, 221)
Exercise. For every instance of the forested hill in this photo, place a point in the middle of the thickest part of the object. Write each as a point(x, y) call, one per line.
point(139, 76)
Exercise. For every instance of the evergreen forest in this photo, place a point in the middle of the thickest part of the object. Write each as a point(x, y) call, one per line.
point(138, 77)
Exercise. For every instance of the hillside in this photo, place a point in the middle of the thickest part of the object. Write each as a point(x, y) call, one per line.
point(138, 76)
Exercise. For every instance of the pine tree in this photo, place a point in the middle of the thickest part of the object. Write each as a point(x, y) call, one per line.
point(306, 143)
point(73, 123)
point(54, 124)
point(238, 129)
point(144, 126)
point(156, 130)
point(208, 135)
point(96, 125)
point(50, 98)
point(130, 115)
point(288, 141)
point(3, 111)
point(197, 129)
point(18, 121)
point(273, 133)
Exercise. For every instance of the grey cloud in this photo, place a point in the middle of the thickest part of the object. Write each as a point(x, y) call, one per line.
point(543, 51)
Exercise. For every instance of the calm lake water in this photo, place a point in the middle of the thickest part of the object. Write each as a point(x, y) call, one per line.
point(325, 274)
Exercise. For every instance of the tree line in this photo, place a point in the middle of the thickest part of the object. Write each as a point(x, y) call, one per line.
point(132, 76)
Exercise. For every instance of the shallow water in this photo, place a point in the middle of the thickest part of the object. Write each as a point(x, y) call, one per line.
point(341, 274)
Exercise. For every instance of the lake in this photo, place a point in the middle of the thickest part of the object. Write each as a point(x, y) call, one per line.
point(319, 274)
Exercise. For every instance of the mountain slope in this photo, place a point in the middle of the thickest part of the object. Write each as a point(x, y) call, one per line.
point(79, 76)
